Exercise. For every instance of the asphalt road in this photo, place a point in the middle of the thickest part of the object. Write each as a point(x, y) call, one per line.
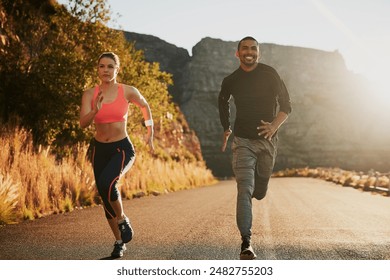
point(300, 219)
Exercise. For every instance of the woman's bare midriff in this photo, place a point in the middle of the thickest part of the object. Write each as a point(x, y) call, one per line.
point(110, 132)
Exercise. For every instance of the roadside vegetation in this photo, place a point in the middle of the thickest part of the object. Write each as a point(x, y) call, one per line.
point(34, 184)
point(365, 181)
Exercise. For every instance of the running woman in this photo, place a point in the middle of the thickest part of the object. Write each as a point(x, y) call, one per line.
point(106, 105)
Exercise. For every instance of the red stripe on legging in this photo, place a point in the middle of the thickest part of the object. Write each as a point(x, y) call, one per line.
point(109, 194)
point(113, 181)
point(123, 160)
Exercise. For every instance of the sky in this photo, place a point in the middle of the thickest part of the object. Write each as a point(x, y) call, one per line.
point(358, 29)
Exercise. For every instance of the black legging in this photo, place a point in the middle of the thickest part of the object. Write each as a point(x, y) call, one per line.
point(111, 161)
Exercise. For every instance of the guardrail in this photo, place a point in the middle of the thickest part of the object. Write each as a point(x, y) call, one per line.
point(371, 181)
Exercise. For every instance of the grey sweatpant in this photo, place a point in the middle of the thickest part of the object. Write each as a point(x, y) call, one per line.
point(253, 162)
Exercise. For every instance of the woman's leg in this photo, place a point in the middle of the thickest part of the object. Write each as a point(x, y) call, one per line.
point(121, 159)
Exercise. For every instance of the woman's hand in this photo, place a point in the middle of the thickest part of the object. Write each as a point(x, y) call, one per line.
point(98, 101)
point(149, 138)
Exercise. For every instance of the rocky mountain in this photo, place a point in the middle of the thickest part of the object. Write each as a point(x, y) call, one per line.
point(335, 122)
point(171, 59)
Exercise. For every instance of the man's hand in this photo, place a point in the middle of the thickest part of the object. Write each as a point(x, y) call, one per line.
point(266, 129)
point(226, 135)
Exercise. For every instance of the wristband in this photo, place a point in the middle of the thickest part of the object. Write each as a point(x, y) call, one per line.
point(149, 123)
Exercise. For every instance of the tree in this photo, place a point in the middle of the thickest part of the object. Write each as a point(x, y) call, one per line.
point(50, 58)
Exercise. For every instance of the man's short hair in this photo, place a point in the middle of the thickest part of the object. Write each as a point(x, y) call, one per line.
point(246, 38)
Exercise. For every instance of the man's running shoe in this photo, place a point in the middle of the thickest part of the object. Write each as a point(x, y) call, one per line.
point(119, 249)
point(247, 252)
point(126, 230)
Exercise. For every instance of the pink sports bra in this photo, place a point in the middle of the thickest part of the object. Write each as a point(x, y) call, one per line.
point(115, 111)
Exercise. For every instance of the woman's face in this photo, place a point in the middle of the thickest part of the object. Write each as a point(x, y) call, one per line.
point(107, 69)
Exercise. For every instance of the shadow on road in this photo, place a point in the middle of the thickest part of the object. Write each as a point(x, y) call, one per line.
point(109, 258)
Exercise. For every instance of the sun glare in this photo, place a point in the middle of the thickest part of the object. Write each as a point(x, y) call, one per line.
point(377, 72)
point(379, 89)
point(368, 56)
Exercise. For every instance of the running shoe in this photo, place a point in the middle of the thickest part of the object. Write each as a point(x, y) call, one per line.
point(126, 230)
point(119, 249)
point(247, 252)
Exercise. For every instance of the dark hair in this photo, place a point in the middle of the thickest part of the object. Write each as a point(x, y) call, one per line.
point(246, 38)
point(111, 55)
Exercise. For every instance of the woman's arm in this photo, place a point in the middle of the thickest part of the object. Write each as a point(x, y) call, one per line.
point(134, 96)
point(87, 112)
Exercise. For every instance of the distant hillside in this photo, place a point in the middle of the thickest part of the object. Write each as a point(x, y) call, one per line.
point(334, 122)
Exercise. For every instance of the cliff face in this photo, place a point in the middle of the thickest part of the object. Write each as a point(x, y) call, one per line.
point(171, 59)
point(333, 110)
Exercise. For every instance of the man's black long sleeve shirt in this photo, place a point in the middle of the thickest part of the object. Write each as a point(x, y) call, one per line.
point(257, 95)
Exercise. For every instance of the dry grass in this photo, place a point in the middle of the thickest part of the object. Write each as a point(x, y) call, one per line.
point(40, 184)
point(33, 184)
point(157, 176)
point(9, 199)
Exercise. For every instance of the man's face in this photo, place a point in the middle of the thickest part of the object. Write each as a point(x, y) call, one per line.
point(248, 53)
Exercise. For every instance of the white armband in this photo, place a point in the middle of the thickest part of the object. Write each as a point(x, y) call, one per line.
point(149, 123)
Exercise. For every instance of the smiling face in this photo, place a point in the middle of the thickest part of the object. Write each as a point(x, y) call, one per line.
point(107, 69)
point(248, 53)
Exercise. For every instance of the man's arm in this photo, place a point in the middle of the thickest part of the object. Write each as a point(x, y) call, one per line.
point(269, 129)
point(224, 114)
point(284, 99)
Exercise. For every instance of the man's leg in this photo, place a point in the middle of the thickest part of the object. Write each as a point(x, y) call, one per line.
point(244, 166)
point(266, 154)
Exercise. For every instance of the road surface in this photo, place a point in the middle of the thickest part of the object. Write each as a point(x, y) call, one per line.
point(300, 219)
